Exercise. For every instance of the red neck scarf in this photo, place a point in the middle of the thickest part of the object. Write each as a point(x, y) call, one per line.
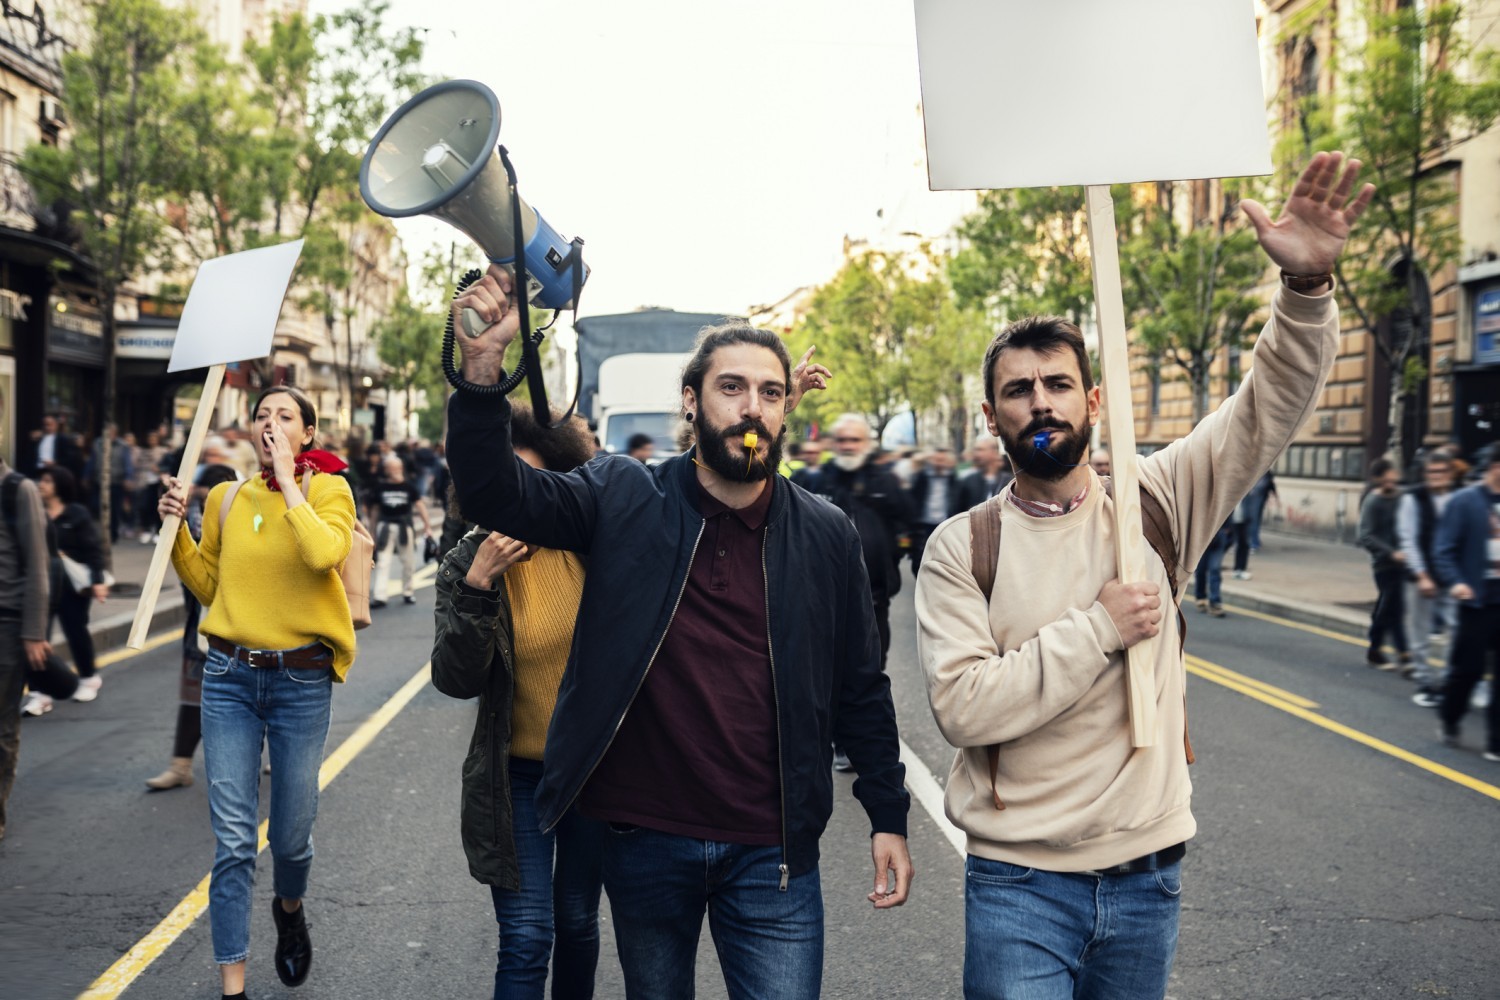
point(316, 459)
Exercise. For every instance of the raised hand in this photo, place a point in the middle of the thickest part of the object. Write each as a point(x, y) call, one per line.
point(804, 377)
point(1317, 218)
point(490, 297)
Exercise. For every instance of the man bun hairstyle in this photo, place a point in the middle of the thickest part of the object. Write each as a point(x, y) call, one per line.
point(1046, 335)
point(711, 338)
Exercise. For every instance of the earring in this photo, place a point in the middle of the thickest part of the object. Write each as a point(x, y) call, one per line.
point(689, 415)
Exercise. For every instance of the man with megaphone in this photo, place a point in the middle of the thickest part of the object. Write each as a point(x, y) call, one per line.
point(725, 641)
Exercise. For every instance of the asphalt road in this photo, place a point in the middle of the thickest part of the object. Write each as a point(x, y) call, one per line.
point(1324, 866)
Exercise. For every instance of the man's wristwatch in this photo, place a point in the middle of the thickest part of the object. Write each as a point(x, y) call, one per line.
point(1306, 283)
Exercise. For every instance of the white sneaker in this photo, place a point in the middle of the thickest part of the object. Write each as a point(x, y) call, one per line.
point(1243, 574)
point(88, 688)
point(36, 703)
point(1481, 696)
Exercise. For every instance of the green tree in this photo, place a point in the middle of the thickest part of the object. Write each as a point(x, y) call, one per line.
point(124, 94)
point(1411, 88)
point(1194, 287)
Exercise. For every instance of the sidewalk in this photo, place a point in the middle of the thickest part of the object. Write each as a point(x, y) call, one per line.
point(109, 623)
point(1327, 584)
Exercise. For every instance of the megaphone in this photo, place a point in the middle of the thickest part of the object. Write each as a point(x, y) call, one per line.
point(437, 156)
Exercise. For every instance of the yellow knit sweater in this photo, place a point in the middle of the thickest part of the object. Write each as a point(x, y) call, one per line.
point(277, 587)
point(544, 593)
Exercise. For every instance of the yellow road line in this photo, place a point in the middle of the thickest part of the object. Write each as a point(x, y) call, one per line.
point(152, 643)
point(1204, 667)
point(148, 949)
point(1220, 676)
point(1315, 630)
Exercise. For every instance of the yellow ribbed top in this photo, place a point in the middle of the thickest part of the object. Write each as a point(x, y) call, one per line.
point(544, 593)
point(277, 587)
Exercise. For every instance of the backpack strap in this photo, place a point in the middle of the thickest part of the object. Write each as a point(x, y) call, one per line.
point(227, 501)
point(984, 560)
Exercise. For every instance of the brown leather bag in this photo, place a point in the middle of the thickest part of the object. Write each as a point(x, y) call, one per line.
point(354, 572)
point(984, 558)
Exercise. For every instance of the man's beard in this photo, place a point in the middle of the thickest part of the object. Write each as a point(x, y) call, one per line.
point(851, 463)
point(1063, 452)
point(713, 446)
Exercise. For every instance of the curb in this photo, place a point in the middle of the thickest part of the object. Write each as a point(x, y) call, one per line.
point(1334, 619)
point(110, 633)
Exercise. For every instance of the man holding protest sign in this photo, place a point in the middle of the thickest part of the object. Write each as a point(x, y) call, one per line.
point(1075, 836)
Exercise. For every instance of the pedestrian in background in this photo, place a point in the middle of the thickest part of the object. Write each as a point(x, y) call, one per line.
point(1100, 461)
point(24, 649)
point(1208, 578)
point(395, 535)
point(189, 728)
point(1417, 518)
point(725, 640)
point(640, 447)
point(279, 635)
point(990, 475)
point(1377, 535)
point(146, 486)
point(1467, 556)
point(121, 472)
point(1259, 496)
point(75, 539)
point(505, 614)
point(934, 497)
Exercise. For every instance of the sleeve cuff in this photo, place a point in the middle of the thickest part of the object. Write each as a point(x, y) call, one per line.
point(471, 600)
point(1104, 629)
point(888, 817)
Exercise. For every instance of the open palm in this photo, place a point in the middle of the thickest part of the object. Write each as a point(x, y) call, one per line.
point(1317, 218)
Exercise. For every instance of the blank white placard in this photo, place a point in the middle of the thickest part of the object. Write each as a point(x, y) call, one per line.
point(1035, 93)
point(233, 306)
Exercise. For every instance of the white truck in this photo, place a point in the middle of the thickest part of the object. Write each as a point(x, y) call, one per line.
point(630, 369)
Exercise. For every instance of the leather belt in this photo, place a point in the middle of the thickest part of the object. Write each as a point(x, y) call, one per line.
point(314, 657)
point(1146, 863)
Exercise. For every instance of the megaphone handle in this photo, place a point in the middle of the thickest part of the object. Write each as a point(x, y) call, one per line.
point(473, 323)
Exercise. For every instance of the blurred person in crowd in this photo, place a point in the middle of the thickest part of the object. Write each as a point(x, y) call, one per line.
point(640, 447)
point(146, 485)
point(934, 495)
point(75, 537)
point(988, 477)
point(189, 727)
point(1208, 577)
point(239, 452)
point(24, 593)
point(1377, 535)
point(725, 639)
point(121, 472)
point(1417, 517)
point(505, 614)
point(399, 501)
point(424, 466)
point(55, 444)
point(279, 635)
point(1099, 461)
point(811, 455)
point(1260, 495)
point(1467, 556)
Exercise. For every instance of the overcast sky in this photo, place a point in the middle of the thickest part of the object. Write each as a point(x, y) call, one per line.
point(713, 155)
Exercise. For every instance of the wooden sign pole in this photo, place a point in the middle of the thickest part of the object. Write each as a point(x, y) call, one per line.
point(1119, 424)
point(163, 554)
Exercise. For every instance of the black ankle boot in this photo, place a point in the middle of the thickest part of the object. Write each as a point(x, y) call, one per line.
point(293, 945)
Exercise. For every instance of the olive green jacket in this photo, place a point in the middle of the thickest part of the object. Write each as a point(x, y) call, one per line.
point(473, 655)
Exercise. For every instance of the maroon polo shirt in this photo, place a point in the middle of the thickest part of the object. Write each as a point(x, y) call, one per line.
point(697, 754)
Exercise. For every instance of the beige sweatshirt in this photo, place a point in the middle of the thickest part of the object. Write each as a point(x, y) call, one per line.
point(1039, 668)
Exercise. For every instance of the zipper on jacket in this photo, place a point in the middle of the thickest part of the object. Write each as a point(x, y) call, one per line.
point(642, 682)
point(765, 576)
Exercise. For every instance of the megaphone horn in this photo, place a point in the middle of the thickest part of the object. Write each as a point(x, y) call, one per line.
point(437, 155)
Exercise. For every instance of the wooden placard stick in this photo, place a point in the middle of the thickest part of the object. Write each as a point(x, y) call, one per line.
point(151, 590)
point(1119, 424)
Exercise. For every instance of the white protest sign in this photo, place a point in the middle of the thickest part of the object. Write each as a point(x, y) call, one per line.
point(1041, 93)
point(233, 306)
point(1020, 93)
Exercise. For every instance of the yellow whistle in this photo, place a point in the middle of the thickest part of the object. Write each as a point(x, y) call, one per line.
point(751, 439)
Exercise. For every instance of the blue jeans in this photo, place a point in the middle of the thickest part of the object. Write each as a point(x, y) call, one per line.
point(1036, 935)
point(556, 911)
point(243, 708)
point(769, 940)
point(1208, 578)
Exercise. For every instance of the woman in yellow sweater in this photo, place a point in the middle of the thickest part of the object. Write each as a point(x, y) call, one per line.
point(505, 614)
point(270, 668)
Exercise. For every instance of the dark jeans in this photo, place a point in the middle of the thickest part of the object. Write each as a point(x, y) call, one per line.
point(1478, 639)
point(72, 611)
point(1389, 616)
point(1242, 546)
point(769, 939)
point(146, 518)
point(1209, 575)
point(12, 682)
point(556, 910)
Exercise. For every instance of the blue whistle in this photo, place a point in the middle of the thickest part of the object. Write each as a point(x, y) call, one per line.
point(1039, 441)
